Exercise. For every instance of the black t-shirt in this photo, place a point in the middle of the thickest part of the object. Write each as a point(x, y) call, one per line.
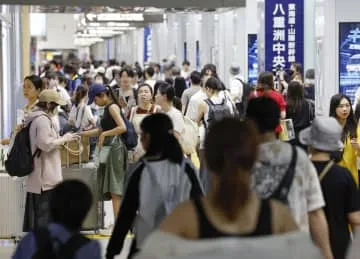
point(341, 197)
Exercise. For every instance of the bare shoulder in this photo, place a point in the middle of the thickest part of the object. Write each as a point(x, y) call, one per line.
point(282, 218)
point(182, 221)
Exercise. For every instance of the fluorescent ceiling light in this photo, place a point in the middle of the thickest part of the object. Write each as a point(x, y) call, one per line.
point(112, 17)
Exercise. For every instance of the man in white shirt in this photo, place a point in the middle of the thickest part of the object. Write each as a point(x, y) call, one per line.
point(236, 83)
point(284, 172)
point(149, 74)
point(195, 79)
point(185, 72)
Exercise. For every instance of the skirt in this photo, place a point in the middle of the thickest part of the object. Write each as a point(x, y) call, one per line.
point(111, 176)
point(37, 210)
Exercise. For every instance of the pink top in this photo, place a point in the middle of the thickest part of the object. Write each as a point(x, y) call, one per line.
point(47, 168)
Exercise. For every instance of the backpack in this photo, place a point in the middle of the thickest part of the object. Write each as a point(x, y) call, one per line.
point(159, 193)
point(130, 137)
point(45, 249)
point(190, 138)
point(247, 89)
point(217, 112)
point(282, 191)
point(21, 151)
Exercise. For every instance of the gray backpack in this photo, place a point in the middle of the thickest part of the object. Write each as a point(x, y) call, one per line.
point(160, 191)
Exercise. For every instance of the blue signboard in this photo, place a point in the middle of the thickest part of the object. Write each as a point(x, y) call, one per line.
point(147, 44)
point(284, 33)
point(253, 64)
point(349, 58)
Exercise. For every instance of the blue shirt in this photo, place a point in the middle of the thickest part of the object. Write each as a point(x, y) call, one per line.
point(28, 246)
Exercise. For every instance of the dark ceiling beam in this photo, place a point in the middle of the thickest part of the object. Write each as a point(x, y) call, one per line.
point(145, 3)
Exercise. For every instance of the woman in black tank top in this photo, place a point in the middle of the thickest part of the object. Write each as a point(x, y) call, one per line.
point(231, 209)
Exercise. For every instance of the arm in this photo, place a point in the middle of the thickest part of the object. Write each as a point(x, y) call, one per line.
point(126, 215)
point(42, 130)
point(91, 133)
point(185, 102)
point(354, 219)
point(320, 232)
point(201, 112)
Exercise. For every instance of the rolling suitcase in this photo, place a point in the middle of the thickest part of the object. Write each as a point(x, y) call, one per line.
point(94, 219)
point(12, 205)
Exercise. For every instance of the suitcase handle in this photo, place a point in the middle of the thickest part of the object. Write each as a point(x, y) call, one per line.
point(74, 152)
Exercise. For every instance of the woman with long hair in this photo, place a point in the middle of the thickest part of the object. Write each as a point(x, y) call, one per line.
point(231, 208)
point(81, 117)
point(112, 172)
point(299, 110)
point(163, 160)
point(341, 109)
point(144, 108)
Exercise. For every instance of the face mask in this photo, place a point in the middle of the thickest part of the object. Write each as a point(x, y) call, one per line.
point(67, 76)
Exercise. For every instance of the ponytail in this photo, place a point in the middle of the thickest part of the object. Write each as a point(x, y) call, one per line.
point(233, 192)
point(172, 149)
point(111, 93)
point(231, 149)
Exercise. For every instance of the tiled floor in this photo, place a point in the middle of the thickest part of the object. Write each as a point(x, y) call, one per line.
point(7, 248)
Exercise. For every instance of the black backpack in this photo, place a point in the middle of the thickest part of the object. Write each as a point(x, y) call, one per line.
point(247, 89)
point(45, 249)
point(282, 191)
point(20, 160)
point(217, 112)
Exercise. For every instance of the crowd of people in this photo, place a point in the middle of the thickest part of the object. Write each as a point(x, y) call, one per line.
point(248, 183)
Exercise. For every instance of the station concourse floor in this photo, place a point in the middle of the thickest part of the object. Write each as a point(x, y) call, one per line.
point(7, 247)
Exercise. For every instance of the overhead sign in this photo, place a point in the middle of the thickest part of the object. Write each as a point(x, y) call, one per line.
point(349, 58)
point(284, 33)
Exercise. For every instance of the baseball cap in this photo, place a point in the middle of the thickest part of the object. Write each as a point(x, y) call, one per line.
point(95, 90)
point(51, 96)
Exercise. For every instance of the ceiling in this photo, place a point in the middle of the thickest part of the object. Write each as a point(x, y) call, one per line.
point(141, 3)
point(107, 9)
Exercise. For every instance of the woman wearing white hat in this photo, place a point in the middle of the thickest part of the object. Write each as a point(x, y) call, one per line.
point(44, 138)
point(339, 189)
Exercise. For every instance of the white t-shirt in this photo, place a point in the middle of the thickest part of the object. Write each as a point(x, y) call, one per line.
point(177, 120)
point(236, 88)
point(305, 193)
point(81, 116)
point(193, 106)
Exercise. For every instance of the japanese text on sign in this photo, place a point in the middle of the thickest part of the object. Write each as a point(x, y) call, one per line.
point(284, 33)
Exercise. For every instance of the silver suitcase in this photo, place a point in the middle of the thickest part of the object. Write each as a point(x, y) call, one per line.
point(94, 219)
point(12, 205)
